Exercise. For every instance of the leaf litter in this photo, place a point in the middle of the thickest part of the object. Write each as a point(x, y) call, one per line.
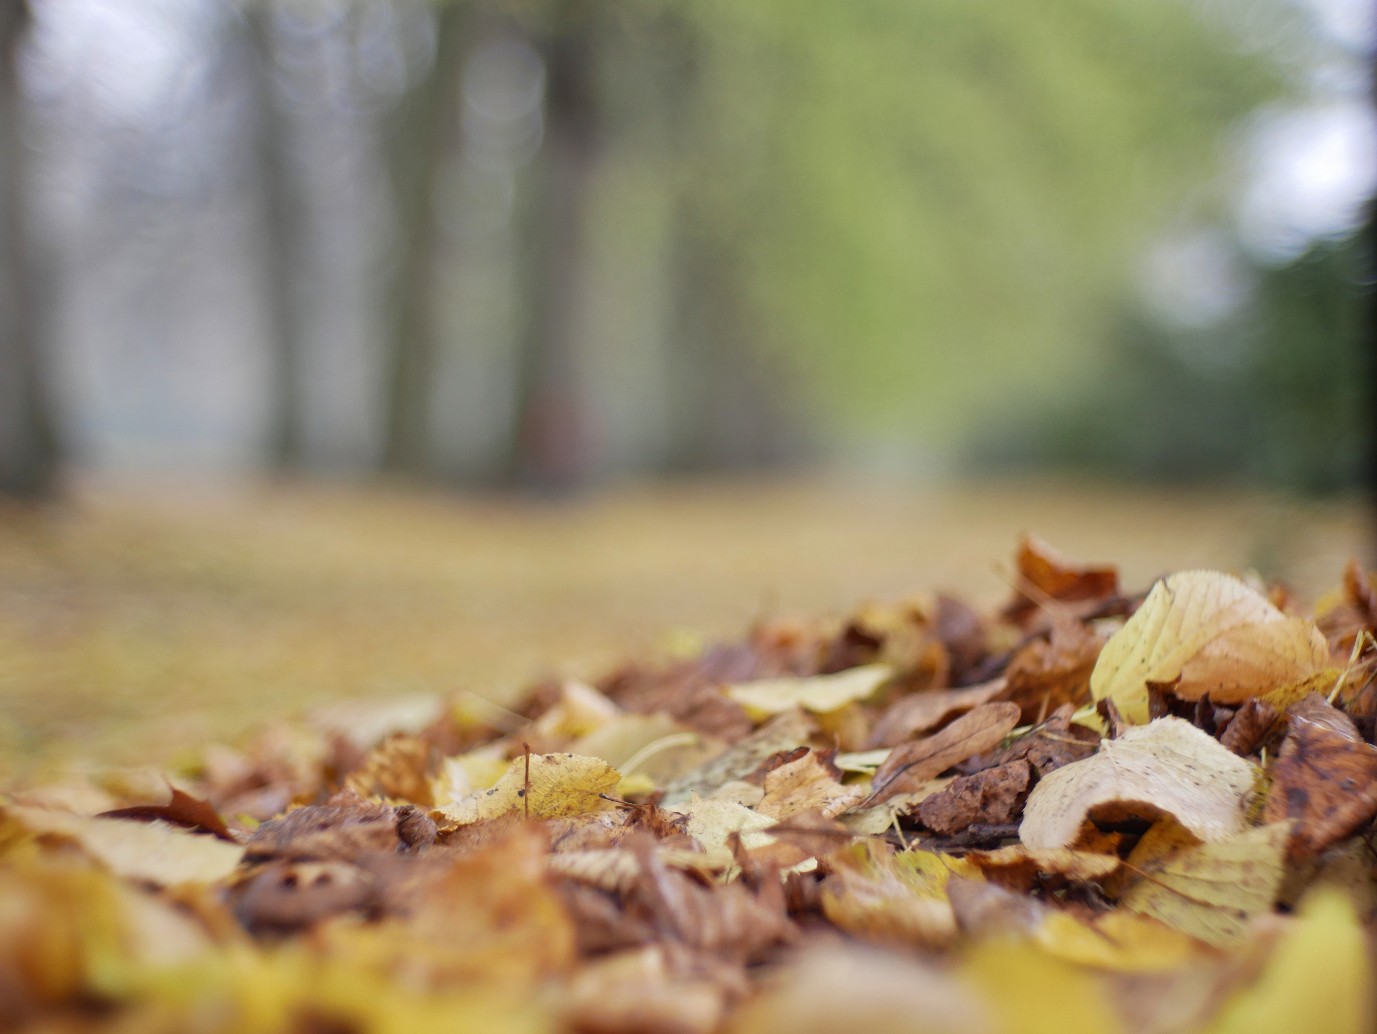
point(1087, 811)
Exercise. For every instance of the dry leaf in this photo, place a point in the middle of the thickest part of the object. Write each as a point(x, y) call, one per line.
point(1318, 978)
point(1168, 767)
point(1212, 891)
point(994, 796)
point(806, 785)
point(1050, 576)
point(917, 713)
point(819, 694)
point(559, 785)
point(845, 987)
point(911, 764)
point(153, 852)
point(783, 732)
point(182, 810)
point(1020, 868)
point(1324, 778)
point(878, 895)
point(1204, 632)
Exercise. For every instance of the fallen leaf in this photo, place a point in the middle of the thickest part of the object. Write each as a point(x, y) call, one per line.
point(806, 785)
point(878, 895)
point(1047, 673)
point(1044, 574)
point(1032, 992)
point(1020, 868)
point(1212, 891)
point(913, 763)
point(1204, 632)
point(836, 987)
point(993, 796)
point(182, 810)
point(1119, 942)
point(1318, 978)
point(559, 785)
point(638, 990)
point(1168, 767)
point(154, 852)
point(1324, 778)
point(819, 694)
point(396, 769)
point(916, 713)
point(342, 828)
point(783, 732)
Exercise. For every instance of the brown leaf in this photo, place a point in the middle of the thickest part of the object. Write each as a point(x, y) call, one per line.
point(1250, 725)
point(921, 712)
point(182, 810)
point(807, 784)
point(1056, 742)
point(283, 896)
point(398, 768)
point(1325, 777)
point(993, 796)
point(911, 764)
point(1049, 575)
point(1047, 673)
point(343, 828)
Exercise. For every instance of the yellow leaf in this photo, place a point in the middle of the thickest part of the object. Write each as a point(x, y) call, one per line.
point(1318, 978)
point(1166, 767)
point(151, 851)
point(1116, 941)
point(1212, 633)
point(882, 896)
point(819, 694)
point(1212, 891)
point(561, 785)
point(712, 823)
point(1031, 992)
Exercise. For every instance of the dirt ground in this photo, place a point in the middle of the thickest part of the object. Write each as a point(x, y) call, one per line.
point(140, 623)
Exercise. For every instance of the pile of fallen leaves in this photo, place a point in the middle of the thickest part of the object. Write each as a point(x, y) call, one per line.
point(1090, 812)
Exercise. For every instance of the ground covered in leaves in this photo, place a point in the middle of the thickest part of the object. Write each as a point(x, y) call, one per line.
point(1101, 808)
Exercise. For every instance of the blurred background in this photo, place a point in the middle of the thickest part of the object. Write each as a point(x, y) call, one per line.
point(377, 346)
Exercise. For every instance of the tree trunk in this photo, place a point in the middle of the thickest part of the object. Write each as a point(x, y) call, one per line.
point(28, 446)
point(552, 441)
point(418, 147)
point(282, 252)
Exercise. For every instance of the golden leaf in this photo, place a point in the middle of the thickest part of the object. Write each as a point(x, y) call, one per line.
point(1318, 978)
point(1168, 767)
point(1212, 891)
point(1212, 633)
point(560, 785)
point(154, 852)
point(819, 694)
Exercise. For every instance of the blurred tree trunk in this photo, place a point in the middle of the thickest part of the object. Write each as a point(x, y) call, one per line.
point(419, 140)
point(28, 446)
point(729, 403)
point(282, 254)
point(552, 441)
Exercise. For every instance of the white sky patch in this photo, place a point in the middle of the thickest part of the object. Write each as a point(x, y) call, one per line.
point(1312, 171)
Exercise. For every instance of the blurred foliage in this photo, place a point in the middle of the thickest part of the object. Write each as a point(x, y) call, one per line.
point(1280, 392)
point(928, 205)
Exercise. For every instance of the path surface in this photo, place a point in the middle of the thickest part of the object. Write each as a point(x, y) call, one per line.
point(135, 624)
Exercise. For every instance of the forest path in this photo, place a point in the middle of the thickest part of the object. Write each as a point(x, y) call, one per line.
point(135, 624)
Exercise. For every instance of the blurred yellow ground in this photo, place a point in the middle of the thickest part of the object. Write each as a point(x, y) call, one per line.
point(137, 623)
